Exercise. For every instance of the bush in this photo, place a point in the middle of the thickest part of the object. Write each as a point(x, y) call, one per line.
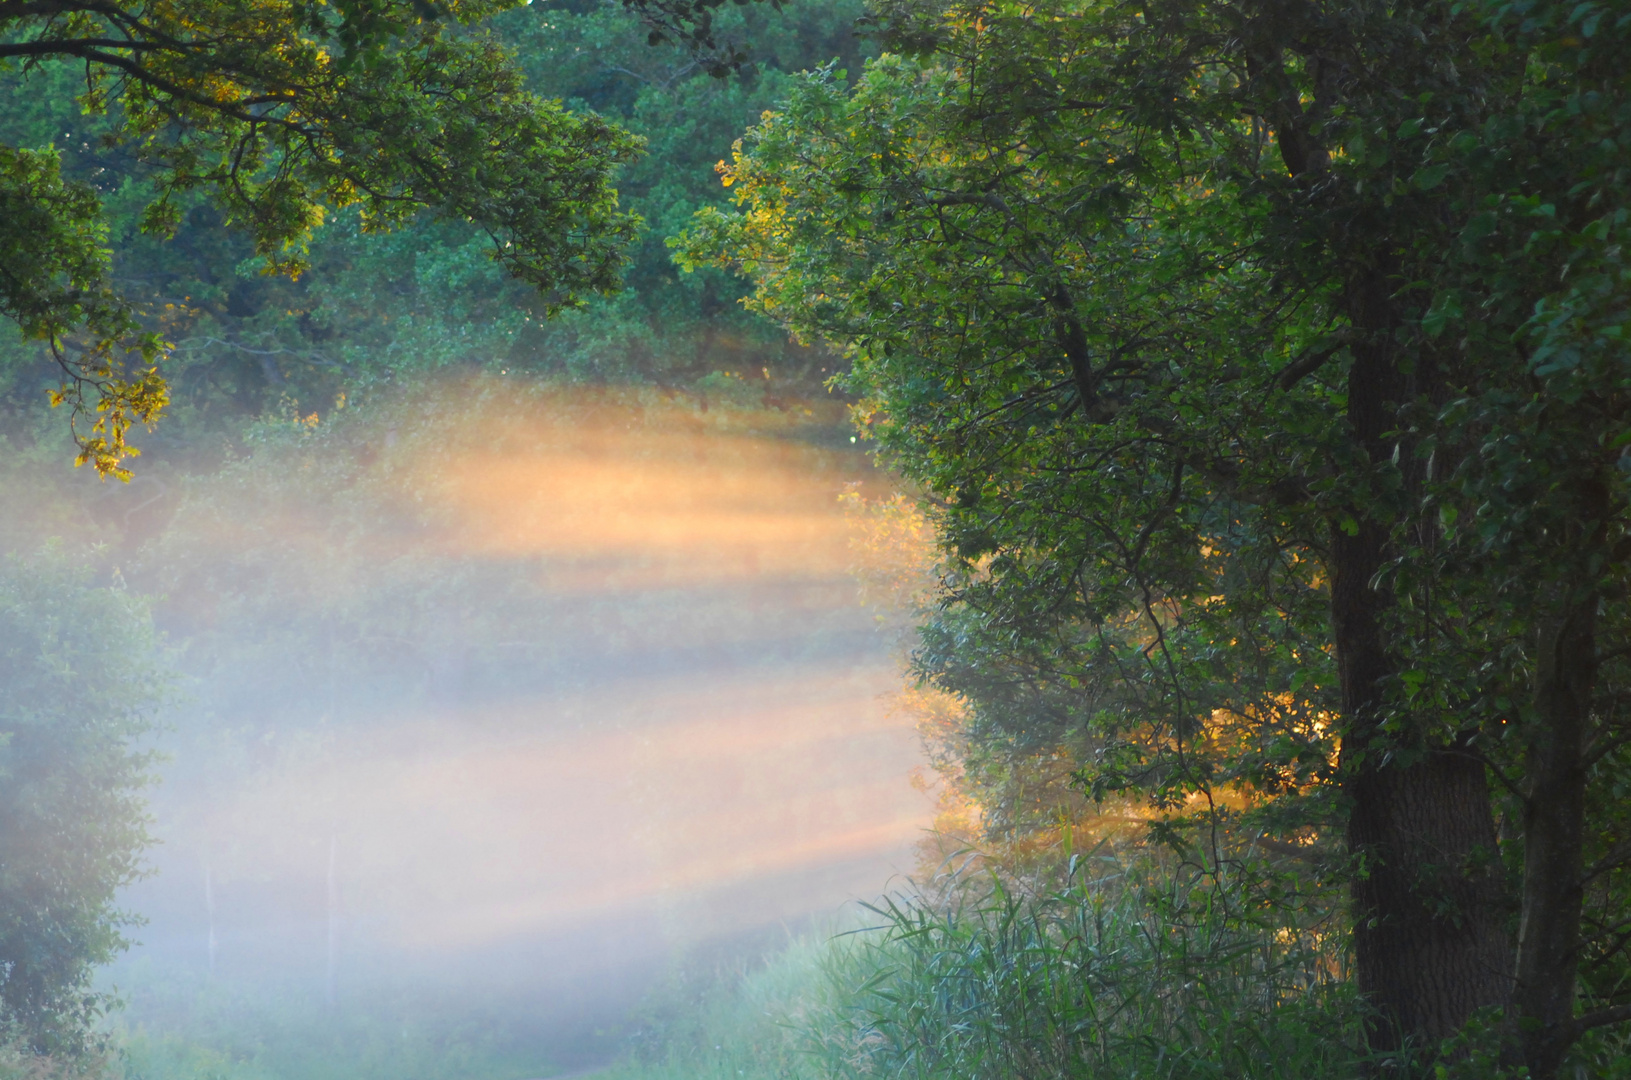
point(78, 685)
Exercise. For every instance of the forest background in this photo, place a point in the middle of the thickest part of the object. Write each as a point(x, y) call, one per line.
point(1295, 672)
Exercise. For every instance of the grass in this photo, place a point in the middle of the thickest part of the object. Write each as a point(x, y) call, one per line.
point(1108, 978)
point(1175, 980)
point(211, 1032)
point(746, 1021)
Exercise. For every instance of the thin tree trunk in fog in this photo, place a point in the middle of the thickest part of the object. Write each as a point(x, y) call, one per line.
point(333, 923)
point(333, 672)
point(209, 913)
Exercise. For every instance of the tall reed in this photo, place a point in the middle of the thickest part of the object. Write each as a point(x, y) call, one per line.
point(1177, 976)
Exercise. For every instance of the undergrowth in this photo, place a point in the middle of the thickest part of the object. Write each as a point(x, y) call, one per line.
point(1109, 975)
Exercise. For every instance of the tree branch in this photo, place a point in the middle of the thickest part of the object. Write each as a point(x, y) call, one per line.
point(72, 47)
point(1617, 857)
point(91, 49)
point(1614, 1014)
point(1309, 361)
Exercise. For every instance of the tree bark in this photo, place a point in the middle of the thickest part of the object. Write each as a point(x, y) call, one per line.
point(1429, 943)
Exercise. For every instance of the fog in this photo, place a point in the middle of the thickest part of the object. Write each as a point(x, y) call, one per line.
point(501, 707)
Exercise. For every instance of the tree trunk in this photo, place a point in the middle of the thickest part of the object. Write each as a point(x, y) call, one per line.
point(1554, 832)
point(1430, 946)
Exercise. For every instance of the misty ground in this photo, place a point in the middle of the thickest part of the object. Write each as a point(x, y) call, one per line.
point(500, 714)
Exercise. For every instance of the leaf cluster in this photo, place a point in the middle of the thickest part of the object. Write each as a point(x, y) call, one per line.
point(282, 112)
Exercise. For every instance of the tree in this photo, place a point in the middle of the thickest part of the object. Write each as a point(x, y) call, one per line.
point(81, 685)
point(281, 110)
point(1262, 364)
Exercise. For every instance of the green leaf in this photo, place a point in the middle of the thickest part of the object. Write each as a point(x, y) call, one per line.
point(1429, 177)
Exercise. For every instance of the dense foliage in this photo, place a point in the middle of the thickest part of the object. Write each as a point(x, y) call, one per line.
point(1264, 369)
point(279, 114)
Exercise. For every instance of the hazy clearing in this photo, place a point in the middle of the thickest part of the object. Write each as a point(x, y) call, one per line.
point(494, 706)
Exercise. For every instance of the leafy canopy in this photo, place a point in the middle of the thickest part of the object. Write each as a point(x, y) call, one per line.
point(282, 111)
point(1042, 298)
point(1091, 304)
